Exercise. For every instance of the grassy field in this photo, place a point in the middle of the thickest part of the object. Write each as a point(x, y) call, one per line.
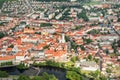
point(93, 3)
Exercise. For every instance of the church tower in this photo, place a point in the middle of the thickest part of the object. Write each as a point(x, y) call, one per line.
point(63, 38)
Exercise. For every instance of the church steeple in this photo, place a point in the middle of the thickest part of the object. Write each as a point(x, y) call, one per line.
point(63, 38)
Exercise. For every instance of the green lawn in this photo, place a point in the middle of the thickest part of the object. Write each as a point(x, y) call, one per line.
point(93, 3)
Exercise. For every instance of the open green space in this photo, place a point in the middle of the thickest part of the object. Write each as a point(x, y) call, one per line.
point(93, 3)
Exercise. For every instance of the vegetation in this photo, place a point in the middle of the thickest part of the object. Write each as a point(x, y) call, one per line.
point(45, 24)
point(83, 15)
point(3, 23)
point(48, 63)
point(108, 70)
point(1, 3)
point(3, 74)
point(73, 45)
point(114, 46)
point(95, 75)
point(81, 46)
point(87, 41)
point(107, 51)
point(22, 66)
point(46, 47)
point(90, 57)
point(102, 77)
point(53, 0)
point(118, 19)
point(67, 38)
point(6, 63)
point(22, 22)
point(11, 46)
point(84, 1)
point(74, 59)
point(45, 76)
point(92, 2)
point(93, 32)
point(23, 77)
point(72, 75)
point(2, 34)
point(116, 6)
point(78, 27)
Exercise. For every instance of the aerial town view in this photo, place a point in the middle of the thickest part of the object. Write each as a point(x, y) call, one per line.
point(59, 39)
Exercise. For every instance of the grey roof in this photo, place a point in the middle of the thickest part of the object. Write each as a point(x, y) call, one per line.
point(87, 63)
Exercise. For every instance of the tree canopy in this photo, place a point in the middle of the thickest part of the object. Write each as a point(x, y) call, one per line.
point(44, 76)
point(23, 77)
point(72, 75)
point(3, 74)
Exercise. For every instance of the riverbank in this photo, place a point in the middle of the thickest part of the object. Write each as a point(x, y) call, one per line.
point(15, 73)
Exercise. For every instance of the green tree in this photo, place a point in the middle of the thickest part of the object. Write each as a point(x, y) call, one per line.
point(81, 46)
point(83, 15)
point(36, 78)
point(118, 19)
point(73, 45)
point(46, 47)
point(6, 63)
point(108, 70)
point(46, 76)
point(11, 46)
point(2, 34)
point(3, 74)
point(102, 77)
point(90, 57)
point(114, 46)
point(88, 41)
point(45, 24)
point(72, 75)
point(78, 27)
point(67, 38)
point(93, 32)
point(74, 59)
point(107, 51)
point(95, 74)
point(23, 77)
point(22, 66)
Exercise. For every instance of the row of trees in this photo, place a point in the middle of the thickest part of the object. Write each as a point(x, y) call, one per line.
point(45, 24)
point(45, 76)
point(93, 32)
point(53, 0)
point(6, 63)
point(2, 34)
point(72, 75)
point(22, 66)
point(49, 63)
point(3, 74)
point(64, 0)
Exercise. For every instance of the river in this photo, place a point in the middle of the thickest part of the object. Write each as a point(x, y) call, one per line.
point(58, 72)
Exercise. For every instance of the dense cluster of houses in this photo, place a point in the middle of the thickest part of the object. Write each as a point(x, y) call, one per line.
point(28, 42)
